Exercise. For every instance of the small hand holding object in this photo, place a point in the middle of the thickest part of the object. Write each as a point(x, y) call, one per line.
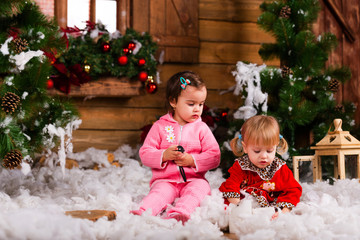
point(182, 172)
point(184, 159)
point(171, 154)
point(180, 149)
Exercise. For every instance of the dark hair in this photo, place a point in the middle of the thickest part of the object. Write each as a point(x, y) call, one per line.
point(173, 86)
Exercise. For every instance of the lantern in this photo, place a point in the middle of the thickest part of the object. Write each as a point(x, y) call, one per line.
point(337, 143)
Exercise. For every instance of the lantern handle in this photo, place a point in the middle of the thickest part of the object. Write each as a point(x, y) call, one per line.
point(337, 126)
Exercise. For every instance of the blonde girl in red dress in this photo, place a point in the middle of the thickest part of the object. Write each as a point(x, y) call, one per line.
point(257, 171)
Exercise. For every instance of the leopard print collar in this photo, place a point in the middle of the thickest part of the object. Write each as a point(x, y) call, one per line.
point(266, 173)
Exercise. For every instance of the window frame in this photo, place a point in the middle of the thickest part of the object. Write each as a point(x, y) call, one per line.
point(122, 20)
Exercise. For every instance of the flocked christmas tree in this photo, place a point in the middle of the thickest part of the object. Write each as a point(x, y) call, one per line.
point(31, 121)
point(300, 94)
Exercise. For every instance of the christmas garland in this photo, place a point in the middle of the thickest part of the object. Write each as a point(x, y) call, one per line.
point(93, 53)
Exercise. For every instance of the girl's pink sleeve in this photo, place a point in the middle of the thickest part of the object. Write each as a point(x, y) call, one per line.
point(150, 152)
point(209, 158)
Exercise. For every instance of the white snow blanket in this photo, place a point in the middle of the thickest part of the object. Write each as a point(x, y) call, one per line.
point(33, 206)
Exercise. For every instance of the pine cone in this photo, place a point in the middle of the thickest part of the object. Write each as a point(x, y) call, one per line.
point(12, 159)
point(10, 102)
point(285, 12)
point(340, 108)
point(333, 85)
point(285, 71)
point(20, 45)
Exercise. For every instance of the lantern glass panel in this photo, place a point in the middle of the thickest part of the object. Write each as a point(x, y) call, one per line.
point(306, 171)
point(351, 166)
point(327, 167)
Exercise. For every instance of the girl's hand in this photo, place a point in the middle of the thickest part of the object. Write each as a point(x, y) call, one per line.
point(276, 214)
point(234, 200)
point(185, 160)
point(171, 153)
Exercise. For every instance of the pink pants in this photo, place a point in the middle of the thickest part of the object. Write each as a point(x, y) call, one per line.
point(190, 195)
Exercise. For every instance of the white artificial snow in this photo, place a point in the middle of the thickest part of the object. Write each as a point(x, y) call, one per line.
point(41, 35)
point(115, 35)
point(94, 33)
point(157, 78)
point(248, 76)
point(23, 58)
point(9, 80)
point(137, 48)
point(25, 168)
point(4, 47)
point(162, 57)
point(65, 146)
point(6, 122)
point(27, 136)
point(24, 95)
point(33, 206)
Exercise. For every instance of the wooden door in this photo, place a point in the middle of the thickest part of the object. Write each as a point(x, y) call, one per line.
point(341, 17)
point(173, 24)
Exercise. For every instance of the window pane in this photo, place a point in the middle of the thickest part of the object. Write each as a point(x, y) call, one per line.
point(78, 13)
point(106, 13)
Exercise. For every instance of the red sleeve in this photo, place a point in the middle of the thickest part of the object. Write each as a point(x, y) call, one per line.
point(232, 184)
point(290, 189)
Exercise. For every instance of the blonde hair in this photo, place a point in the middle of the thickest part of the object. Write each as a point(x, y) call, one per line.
point(260, 130)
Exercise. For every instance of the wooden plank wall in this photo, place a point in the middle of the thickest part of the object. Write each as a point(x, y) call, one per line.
point(228, 33)
point(348, 52)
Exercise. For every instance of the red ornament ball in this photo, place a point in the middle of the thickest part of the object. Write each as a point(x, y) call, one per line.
point(143, 76)
point(123, 60)
point(131, 46)
point(106, 47)
point(141, 62)
point(151, 87)
point(50, 83)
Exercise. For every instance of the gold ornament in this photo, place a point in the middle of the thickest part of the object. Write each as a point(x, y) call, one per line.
point(87, 68)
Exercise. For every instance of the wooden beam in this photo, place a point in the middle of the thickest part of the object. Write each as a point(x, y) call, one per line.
point(122, 15)
point(60, 12)
point(340, 19)
point(176, 41)
point(92, 11)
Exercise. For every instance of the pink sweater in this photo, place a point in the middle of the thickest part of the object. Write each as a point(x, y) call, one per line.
point(197, 140)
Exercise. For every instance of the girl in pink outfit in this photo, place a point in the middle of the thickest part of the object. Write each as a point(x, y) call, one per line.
point(179, 149)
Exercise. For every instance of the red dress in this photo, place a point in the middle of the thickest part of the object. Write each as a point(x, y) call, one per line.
point(274, 185)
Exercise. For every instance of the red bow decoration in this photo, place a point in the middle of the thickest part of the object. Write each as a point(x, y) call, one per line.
point(74, 75)
point(73, 31)
point(14, 32)
point(90, 25)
